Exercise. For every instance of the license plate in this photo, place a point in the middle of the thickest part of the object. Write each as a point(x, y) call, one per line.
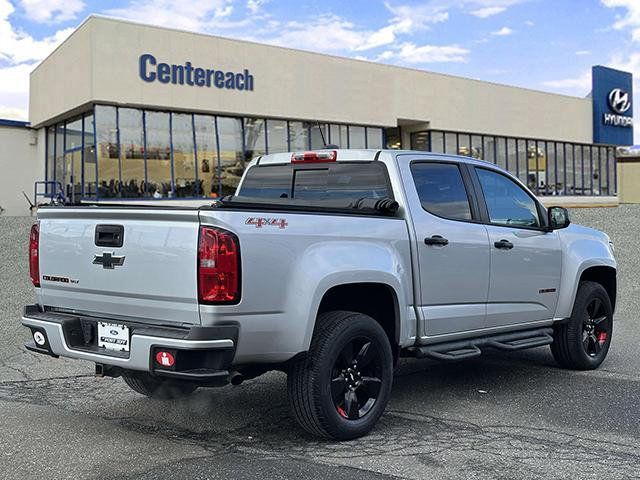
point(113, 336)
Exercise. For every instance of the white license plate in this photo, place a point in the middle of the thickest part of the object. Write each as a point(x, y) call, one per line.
point(113, 336)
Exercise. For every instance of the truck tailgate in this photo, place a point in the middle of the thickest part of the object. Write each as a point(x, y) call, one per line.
point(151, 277)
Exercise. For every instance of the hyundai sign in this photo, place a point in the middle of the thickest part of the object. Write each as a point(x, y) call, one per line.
point(612, 97)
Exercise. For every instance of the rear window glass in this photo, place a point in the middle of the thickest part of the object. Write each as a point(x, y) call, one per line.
point(336, 181)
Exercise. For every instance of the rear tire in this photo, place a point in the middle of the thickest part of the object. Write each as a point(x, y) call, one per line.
point(154, 387)
point(342, 386)
point(583, 341)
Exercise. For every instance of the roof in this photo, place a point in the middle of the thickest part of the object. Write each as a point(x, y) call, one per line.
point(5, 122)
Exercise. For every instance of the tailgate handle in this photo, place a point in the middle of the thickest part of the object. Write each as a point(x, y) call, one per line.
point(109, 235)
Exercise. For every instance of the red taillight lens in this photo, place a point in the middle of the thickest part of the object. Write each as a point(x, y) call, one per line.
point(34, 247)
point(218, 266)
point(315, 157)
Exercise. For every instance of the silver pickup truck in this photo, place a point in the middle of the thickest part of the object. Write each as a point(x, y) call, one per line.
point(327, 265)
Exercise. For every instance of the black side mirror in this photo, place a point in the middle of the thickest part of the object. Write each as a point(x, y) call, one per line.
point(558, 218)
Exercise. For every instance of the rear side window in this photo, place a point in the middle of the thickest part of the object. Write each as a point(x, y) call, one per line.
point(337, 181)
point(441, 190)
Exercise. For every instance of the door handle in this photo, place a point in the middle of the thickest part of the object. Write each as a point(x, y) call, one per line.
point(436, 240)
point(504, 244)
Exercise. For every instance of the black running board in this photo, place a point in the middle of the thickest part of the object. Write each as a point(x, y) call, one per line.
point(462, 349)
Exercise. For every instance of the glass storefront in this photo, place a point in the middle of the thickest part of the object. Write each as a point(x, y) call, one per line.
point(547, 167)
point(117, 152)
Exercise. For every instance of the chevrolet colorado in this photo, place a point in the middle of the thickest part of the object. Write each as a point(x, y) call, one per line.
point(328, 265)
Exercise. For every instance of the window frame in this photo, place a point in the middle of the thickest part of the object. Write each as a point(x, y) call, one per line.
point(476, 213)
point(542, 217)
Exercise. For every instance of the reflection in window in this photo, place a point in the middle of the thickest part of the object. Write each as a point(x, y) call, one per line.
point(451, 143)
point(184, 160)
point(207, 155)
point(131, 152)
point(231, 154)
point(392, 137)
point(298, 136)
point(441, 190)
point(89, 158)
point(254, 138)
point(339, 136)
point(277, 136)
point(507, 202)
point(374, 137)
point(108, 162)
point(158, 155)
point(59, 167)
point(356, 137)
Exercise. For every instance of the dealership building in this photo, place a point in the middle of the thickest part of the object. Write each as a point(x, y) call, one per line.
point(123, 111)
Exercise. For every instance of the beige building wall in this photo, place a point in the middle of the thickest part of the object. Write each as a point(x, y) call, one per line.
point(21, 163)
point(99, 63)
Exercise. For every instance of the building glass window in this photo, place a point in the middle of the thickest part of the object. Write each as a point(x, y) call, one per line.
point(489, 149)
point(254, 138)
point(72, 175)
point(521, 161)
point(357, 137)
point(374, 137)
point(319, 135)
point(231, 153)
point(298, 136)
point(158, 155)
point(277, 136)
point(184, 159)
point(477, 146)
point(501, 152)
point(464, 146)
point(51, 160)
point(131, 152)
point(437, 139)
point(207, 154)
point(89, 158)
point(450, 143)
point(420, 141)
point(338, 136)
point(107, 151)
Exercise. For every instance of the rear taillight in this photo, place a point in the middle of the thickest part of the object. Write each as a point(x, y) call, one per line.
point(218, 266)
point(34, 247)
point(321, 156)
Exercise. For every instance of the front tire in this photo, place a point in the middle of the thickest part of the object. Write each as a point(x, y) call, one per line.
point(582, 343)
point(154, 387)
point(341, 388)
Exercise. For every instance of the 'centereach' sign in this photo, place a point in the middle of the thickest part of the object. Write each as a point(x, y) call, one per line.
point(150, 71)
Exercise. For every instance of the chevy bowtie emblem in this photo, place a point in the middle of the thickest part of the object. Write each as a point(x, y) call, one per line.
point(108, 260)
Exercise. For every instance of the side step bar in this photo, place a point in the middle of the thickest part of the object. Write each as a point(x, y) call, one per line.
point(472, 347)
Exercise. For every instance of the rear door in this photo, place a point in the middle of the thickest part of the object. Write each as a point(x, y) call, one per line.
point(452, 245)
point(525, 259)
point(149, 274)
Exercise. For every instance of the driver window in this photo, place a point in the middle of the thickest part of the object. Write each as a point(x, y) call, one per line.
point(507, 202)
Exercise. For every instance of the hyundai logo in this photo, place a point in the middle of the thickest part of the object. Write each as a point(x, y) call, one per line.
point(619, 100)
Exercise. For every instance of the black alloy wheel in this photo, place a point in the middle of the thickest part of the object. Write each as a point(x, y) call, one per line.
point(356, 378)
point(596, 328)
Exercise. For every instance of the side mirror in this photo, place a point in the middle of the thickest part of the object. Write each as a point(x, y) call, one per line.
point(558, 218)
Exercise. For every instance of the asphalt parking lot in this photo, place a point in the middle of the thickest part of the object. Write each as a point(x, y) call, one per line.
point(499, 416)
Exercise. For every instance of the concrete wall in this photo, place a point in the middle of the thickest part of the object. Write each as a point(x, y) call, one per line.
point(21, 163)
point(99, 62)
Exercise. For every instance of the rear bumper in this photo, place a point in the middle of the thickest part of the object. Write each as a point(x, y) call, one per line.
point(203, 354)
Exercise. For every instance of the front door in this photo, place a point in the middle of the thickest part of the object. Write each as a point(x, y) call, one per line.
point(453, 251)
point(525, 259)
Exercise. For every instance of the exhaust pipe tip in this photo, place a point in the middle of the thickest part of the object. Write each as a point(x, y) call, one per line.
point(236, 378)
